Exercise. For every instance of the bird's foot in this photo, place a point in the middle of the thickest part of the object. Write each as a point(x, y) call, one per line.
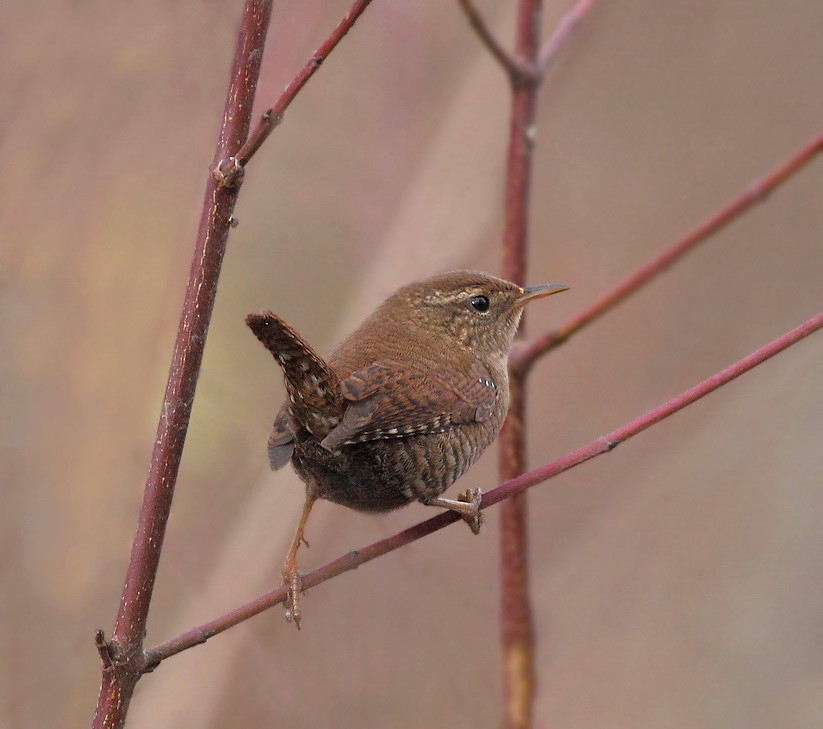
point(476, 518)
point(292, 578)
point(291, 575)
point(467, 505)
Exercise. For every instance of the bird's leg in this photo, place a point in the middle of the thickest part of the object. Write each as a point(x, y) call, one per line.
point(291, 576)
point(467, 505)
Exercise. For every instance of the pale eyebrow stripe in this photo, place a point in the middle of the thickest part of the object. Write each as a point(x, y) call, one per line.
point(438, 297)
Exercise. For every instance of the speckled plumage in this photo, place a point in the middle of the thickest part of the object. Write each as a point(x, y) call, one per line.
point(404, 405)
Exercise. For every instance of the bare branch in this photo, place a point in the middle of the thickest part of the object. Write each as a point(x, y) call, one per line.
point(125, 648)
point(123, 658)
point(755, 193)
point(513, 487)
point(273, 116)
point(516, 621)
point(567, 25)
point(524, 69)
point(516, 68)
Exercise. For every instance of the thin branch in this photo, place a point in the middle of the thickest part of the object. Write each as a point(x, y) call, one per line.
point(513, 487)
point(517, 68)
point(757, 192)
point(564, 30)
point(272, 117)
point(124, 652)
point(123, 658)
point(516, 621)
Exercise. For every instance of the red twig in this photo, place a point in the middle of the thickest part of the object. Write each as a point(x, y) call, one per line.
point(273, 116)
point(756, 192)
point(123, 658)
point(516, 622)
point(511, 488)
point(126, 659)
point(567, 25)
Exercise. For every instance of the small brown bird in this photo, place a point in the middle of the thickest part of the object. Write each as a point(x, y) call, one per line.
point(402, 406)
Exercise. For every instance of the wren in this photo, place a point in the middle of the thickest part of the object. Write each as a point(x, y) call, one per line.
point(402, 406)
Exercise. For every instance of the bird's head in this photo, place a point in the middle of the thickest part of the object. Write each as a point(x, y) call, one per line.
point(477, 310)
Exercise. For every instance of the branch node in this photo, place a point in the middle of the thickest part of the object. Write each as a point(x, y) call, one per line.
point(523, 74)
point(228, 173)
point(526, 354)
point(758, 191)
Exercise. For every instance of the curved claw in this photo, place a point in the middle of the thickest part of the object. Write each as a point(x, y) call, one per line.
point(476, 519)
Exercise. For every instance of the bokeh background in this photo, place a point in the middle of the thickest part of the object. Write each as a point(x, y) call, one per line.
point(678, 582)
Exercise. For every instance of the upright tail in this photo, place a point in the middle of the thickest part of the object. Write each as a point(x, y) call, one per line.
point(315, 402)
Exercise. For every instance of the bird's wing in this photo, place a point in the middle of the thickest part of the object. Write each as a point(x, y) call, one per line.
point(281, 440)
point(388, 400)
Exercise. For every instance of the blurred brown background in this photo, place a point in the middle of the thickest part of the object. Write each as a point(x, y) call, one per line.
point(678, 582)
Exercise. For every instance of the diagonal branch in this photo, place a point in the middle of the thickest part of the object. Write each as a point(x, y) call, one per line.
point(123, 661)
point(516, 68)
point(123, 658)
point(564, 30)
point(523, 358)
point(272, 117)
point(518, 485)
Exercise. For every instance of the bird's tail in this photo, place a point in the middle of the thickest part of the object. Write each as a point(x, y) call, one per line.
point(315, 402)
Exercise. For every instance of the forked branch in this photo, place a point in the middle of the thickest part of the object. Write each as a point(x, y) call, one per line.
point(519, 69)
point(516, 68)
point(123, 659)
point(274, 115)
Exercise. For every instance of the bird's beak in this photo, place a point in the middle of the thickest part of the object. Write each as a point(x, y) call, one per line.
point(530, 293)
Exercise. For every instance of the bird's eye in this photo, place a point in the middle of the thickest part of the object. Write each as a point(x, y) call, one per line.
point(479, 303)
